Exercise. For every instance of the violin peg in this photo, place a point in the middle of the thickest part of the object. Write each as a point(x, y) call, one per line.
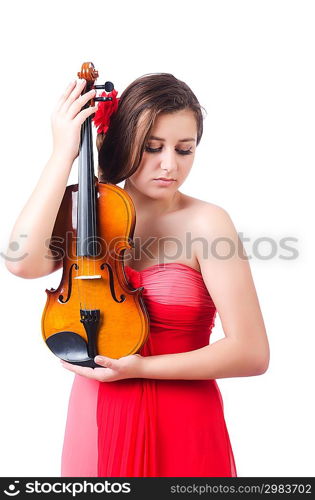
point(109, 86)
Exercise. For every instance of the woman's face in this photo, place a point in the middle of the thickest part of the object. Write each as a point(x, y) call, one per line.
point(169, 153)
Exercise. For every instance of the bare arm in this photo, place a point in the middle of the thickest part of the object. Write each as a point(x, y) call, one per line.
point(33, 229)
point(245, 350)
point(222, 359)
point(35, 223)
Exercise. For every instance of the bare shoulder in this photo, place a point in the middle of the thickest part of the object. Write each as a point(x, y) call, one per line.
point(212, 233)
point(206, 218)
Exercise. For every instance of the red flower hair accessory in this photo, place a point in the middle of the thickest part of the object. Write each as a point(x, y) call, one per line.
point(105, 110)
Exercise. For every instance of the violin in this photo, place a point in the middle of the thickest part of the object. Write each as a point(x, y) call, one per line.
point(94, 310)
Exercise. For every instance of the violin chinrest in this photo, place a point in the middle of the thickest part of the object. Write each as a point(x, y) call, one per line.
point(70, 347)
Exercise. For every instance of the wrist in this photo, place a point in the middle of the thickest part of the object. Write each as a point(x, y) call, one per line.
point(141, 366)
point(62, 157)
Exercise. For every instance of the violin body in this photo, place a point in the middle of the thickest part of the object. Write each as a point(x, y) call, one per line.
point(95, 310)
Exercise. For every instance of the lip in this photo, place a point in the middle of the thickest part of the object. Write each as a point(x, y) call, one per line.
point(166, 179)
point(163, 181)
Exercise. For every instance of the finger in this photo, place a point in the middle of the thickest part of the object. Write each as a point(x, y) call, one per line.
point(78, 104)
point(74, 94)
point(65, 94)
point(106, 362)
point(82, 116)
point(100, 374)
point(79, 370)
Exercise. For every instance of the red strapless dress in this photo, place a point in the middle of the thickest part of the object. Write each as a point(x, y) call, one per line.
point(152, 427)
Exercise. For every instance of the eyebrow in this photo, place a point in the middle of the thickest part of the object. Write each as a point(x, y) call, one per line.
point(153, 137)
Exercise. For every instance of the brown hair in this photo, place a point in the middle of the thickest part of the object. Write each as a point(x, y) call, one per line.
point(120, 150)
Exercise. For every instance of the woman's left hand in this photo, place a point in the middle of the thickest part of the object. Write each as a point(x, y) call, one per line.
point(113, 369)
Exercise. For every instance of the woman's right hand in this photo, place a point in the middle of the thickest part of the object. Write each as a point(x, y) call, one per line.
point(67, 118)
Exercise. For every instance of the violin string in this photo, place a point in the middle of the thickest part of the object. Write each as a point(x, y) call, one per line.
point(87, 243)
point(94, 201)
point(81, 285)
point(92, 194)
point(79, 258)
point(87, 257)
point(90, 180)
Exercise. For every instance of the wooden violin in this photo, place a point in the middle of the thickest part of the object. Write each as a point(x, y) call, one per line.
point(94, 310)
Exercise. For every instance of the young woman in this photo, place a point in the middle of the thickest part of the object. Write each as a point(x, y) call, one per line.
point(159, 412)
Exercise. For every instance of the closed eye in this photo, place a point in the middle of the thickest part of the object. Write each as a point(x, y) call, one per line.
point(158, 150)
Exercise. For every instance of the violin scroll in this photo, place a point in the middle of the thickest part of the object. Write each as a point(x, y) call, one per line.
point(90, 74)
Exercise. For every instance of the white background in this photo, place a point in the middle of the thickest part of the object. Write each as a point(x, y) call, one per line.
point(251, 65)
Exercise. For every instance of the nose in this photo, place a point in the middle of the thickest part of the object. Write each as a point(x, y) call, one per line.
point(168, 161)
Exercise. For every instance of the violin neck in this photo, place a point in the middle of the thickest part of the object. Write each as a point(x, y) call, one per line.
point(86, 210)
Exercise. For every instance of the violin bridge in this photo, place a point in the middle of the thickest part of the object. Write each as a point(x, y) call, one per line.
point(96, 276)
